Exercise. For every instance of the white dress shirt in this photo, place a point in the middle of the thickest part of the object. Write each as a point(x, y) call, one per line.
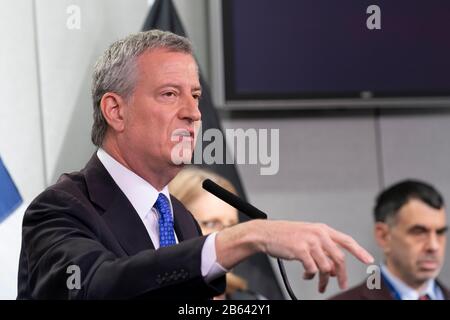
point(407, 293)
point(142, 195)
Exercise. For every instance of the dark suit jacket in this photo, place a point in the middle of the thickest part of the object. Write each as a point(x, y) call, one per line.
point(87, 221)
point(361, 292)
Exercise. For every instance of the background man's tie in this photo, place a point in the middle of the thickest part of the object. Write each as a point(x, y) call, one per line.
point(165, 221)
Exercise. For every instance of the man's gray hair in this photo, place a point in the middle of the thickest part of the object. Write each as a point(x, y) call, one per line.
point(115, 70)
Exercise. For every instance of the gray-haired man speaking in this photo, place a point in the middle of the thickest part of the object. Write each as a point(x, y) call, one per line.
point(115, 219)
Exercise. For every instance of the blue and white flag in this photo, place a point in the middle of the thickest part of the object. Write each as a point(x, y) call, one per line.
point(10, 197)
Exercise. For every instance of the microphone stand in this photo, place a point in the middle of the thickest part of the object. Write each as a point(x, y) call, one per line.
point(285, 279)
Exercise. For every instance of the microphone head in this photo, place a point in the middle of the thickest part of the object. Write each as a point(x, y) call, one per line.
point(233, 200)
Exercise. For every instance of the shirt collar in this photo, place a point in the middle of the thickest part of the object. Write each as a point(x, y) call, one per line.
point(404, 291)
point(139, 192)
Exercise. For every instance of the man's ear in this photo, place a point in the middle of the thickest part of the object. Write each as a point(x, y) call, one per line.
point(112, 106)
point(382, 235)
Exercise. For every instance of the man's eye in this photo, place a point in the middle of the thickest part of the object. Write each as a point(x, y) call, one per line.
point(197, 96)
point(169, 94)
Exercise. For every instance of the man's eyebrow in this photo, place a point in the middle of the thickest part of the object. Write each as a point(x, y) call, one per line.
point(442, 230)
point(178, 86)
point(169, 84)
point(418, 227)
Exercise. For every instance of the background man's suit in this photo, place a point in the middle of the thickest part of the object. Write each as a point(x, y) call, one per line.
point(361, 292)
point(86, 220)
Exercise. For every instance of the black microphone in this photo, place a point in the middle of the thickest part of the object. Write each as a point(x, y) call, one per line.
point(233, 200)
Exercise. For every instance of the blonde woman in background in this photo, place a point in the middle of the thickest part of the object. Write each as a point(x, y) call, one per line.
point(212, 214)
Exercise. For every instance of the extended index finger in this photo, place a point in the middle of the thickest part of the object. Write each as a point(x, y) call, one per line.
point(348, 243)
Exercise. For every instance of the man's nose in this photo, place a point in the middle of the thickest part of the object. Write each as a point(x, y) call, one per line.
point(190, 110)
point(433, 242)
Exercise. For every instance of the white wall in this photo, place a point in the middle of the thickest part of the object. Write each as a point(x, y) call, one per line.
point(20, 127)
point(329, 170)
point(66, 58)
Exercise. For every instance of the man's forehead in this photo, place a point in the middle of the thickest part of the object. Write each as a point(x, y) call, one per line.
point(162, 65)
point(418, 212)
point(168, 58)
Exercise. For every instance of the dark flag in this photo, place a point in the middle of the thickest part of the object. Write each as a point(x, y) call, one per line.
point(257, 269)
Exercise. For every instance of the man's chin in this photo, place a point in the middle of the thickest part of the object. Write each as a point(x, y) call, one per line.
point(181, 157)
point(181, 161)
point(425, 274)
point(178, 163)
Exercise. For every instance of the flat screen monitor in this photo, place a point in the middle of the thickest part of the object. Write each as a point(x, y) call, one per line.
point(331, 52)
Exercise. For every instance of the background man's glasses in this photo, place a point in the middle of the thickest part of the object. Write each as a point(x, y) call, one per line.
point(215, 224)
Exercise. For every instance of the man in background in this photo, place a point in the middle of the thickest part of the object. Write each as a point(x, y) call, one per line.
point(411, 229)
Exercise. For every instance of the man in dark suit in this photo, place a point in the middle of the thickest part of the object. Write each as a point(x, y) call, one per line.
point(113, 231)
point(411, 230)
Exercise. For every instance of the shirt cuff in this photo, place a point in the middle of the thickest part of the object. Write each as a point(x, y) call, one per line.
point(211, 269)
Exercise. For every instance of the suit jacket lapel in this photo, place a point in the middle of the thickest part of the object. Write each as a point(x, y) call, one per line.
point(444, 289)
point(126, 224)
point(118, 212)
point(182, 220)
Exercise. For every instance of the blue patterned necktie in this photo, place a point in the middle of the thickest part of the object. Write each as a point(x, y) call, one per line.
point(165, 221)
